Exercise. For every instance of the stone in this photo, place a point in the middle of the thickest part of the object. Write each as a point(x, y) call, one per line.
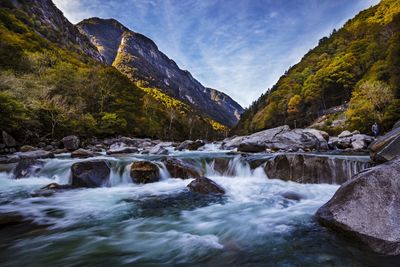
point(94, 173)
point(27, 148)
point(204, 185)
point(323, 137)
point(143, 172)
point(122, 150)
point(161, 148)
point(386, 147)
point(82, 153)
point(8, 140)
point(71, 142)
point(367, 208)
point(51, 189)
point(191, 145)
point(27, 168)
point(316, 169)
point(345, 133)
point(180, 169)
point(36, 154)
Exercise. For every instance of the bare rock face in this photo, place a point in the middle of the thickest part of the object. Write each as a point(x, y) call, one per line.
point(180, 169)
point(71, 142)
point(386, 147)
point(143, 172)
point(94, 173)
point(203, 185)
point(367, 208)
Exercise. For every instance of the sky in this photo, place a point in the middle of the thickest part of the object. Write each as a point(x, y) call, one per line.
point(240, 47)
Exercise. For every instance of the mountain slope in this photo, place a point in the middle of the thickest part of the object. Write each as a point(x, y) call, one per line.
point(53, 83)
point(140, 59)
point(357, 67)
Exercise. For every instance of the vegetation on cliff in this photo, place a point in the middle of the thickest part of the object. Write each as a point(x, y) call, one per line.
point(358, 66)
point(53, 87)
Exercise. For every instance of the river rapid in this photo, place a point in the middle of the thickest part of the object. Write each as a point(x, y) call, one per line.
point(163, 224)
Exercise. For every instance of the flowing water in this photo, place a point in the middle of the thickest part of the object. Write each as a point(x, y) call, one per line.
point(163, 224)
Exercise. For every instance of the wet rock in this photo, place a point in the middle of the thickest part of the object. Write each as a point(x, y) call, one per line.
point(27, 167)
point(36, 154)
point(386, 147)
point(180, 169)
point(121, 148)
point(60, 151)
point(50, 189)
point(94, 173)
point(191, 145)
point(305, 168)
point(204, 185)
point(290, 195)
point(143, 172)
point(8, 140)
point(71, 142)
point(367, 208)
point(323, 137)
point(27, 148)
point(82, 153)
point(161, 148)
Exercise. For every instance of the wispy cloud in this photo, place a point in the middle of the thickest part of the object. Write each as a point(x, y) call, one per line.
point(240, 47)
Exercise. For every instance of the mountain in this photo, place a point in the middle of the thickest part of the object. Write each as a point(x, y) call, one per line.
point(139, 58)
point(54, 82)
point(350, 80)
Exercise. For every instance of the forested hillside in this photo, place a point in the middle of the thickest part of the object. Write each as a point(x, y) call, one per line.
point(53, 83)
point(356, 69)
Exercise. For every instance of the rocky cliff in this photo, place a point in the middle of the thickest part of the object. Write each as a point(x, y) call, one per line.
point(139, 58)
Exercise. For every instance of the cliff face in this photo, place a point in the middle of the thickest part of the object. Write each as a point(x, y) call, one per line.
point(51, 24)
point(139, 58)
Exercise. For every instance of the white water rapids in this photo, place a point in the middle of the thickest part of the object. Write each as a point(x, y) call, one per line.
point(162, 224)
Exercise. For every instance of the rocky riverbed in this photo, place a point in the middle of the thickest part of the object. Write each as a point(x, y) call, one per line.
point(129, 201)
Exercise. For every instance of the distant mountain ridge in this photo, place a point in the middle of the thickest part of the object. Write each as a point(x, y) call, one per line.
point(139, 58)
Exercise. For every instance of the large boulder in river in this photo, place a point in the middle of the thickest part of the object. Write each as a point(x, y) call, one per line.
point(279, 139)
point(368, 208)
point(71, 142)
point(161, 148)
point(181, 169)
point(143, 172)
point(386, 147)
point(94, 173)
point(191, 145)
point(203, 185)
point(306, 168)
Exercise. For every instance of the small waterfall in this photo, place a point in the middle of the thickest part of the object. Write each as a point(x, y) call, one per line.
point(164, 173)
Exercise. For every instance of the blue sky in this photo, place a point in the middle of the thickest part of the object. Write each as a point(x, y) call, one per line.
point(240, 47)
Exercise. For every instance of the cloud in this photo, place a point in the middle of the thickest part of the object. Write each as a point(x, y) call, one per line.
point(240, 47)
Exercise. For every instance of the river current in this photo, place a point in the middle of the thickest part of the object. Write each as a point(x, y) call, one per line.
point(163, 224)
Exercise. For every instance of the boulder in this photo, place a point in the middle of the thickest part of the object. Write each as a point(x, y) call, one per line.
point(122, 150)
point(345, 133)
point(191, 145)
point(8, 140)
point(204, 185)
point(36, 154)
point(386, 147)
point(82, 153)
point(323, 137)
point(180, 169)
point(143, 172)
point(94, 173)
point(71, 142)
point(306, 168)
point(27, 148)
point(27, 167)
point(367, 208)
point(161, 148)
